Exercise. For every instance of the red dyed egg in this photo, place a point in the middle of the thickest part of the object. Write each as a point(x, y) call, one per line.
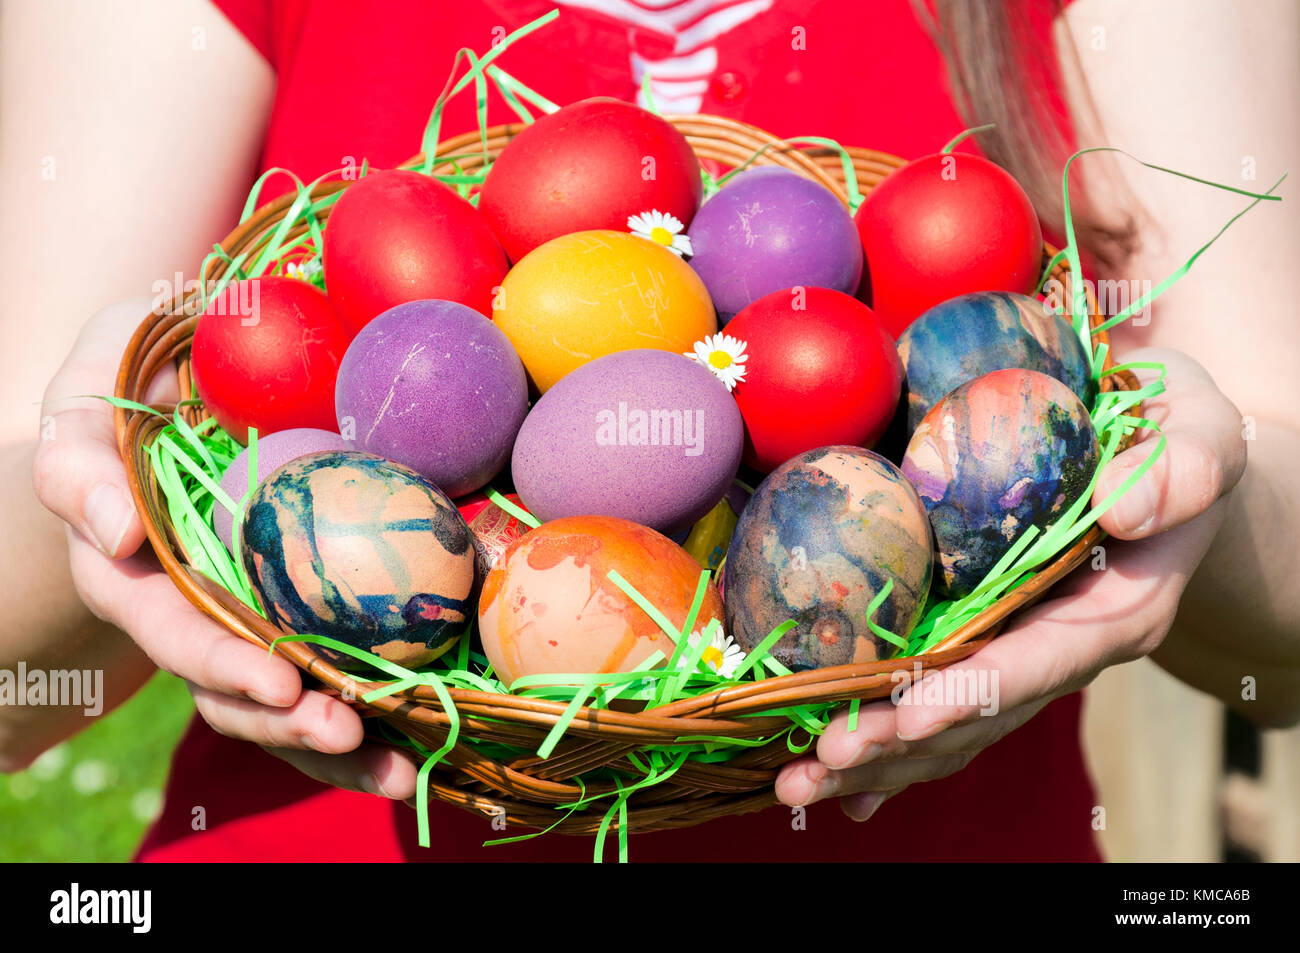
point(943, 226)
point(266, 353)
point(401, 236)
point(588, 166)
point(821, 370)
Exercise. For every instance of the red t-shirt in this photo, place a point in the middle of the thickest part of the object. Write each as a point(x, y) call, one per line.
point(359, 80)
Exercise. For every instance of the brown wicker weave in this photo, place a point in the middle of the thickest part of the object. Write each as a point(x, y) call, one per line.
point(527, 788)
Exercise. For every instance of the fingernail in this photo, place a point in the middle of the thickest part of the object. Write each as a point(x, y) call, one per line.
point(863, 806)
point(929, 731)
point(1136, 509)
point(108, 515)
point(370, 784)
point(870, 753)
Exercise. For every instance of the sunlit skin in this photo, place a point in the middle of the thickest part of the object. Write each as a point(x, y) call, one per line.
point(1176, 87)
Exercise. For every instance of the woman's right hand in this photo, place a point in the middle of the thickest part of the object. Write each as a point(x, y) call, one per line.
point(240, 690)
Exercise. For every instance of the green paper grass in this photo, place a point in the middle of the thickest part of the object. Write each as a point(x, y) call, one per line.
point(189, 461)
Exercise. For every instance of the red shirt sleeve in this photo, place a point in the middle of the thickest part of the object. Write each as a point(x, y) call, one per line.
point(253, 19)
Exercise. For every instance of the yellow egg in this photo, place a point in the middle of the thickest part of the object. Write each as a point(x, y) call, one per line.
point(584, 295)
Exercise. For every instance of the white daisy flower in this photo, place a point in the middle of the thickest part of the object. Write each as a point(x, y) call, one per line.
point(722, 354)
point(662, 228)
point(303, 272)
point(723, 656)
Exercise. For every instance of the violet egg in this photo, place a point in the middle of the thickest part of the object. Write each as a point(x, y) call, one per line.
point(273, 451)
point(769, 229)
point(1006, 451)
point(436, 386)
point(644, 435)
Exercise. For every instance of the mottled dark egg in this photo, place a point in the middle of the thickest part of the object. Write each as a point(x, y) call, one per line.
point(1008, 450)
point(973, 334)
point(364, 550)
point(818, 540)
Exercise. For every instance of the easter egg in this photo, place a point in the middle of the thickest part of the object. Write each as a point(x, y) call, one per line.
point(943, 226)
point(1008, 450)
point(491, 528)
point(974, 334)
point(273, 451)
point(362, 550)
point(582, 296)
point(769, 229)
point(436, 386)
point(265, 354)
point(397, 236)
point(590, 165)
point(821, 537)
point(710, 536)
point(549, 606)
point(643, 435)
point(820, 370)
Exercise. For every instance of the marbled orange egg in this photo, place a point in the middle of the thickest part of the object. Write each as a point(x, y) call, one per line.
point(549, 607)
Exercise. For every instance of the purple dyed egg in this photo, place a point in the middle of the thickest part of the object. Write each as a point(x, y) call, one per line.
point(1006, 451)
point(273, 451)
point(769, 229)
point(436, 386)
point(649, 436)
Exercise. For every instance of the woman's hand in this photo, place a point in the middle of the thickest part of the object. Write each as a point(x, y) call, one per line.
point(1095, 618)
point(240, 690)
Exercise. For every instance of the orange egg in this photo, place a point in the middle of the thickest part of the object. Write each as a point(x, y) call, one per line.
point(549, 607)
point(587, 294)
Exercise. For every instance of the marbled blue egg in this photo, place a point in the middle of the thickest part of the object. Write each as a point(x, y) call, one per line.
point(361, 549)
point(973, 334)
point(819, 539)
point(1006, 451)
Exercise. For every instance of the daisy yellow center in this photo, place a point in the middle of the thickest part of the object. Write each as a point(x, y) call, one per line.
point(712, 658)
point(720, 359)
point(661, 235)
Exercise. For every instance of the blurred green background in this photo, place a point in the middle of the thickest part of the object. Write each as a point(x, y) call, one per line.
point(91, 798)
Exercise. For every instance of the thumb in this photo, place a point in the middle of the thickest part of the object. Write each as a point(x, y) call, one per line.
point(1203, 458)
point(77, 471)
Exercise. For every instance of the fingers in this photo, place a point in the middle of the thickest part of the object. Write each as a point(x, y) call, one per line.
point(372, 769)
point(860, 807)
point(1109, 616)
point(894, 764)
point(133, 595)
point(315, 722)
point(1204, 458)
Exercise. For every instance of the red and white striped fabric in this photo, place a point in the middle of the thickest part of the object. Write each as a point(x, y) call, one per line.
point(678, 80)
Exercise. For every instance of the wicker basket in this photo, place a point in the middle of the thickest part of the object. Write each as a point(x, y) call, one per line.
point(528, 788)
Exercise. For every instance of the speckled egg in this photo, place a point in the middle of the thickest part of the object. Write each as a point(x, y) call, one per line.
point(816, 543)
point(363, 550)
point(549, 606)
point(1008, 450)
point(436, 386)
point(974, 334)
point(273, 451)
point(770, 229)
point(645, 435)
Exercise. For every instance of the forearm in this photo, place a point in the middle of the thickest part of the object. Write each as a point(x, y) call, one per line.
point(46, 626)
point(1239, 617)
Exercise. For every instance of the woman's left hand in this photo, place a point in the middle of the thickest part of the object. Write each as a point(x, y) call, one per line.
point(1095, 618)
